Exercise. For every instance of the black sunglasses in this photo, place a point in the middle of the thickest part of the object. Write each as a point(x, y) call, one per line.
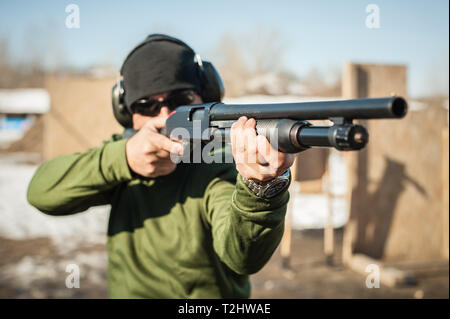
point(151, 107)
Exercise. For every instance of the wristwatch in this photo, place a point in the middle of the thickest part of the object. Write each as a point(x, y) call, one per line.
point(271, 188)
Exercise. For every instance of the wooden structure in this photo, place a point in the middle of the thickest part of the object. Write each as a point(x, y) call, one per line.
point(398, 213)
point(80, 115)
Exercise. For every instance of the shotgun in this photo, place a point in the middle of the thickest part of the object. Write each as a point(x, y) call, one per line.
point(286, 125)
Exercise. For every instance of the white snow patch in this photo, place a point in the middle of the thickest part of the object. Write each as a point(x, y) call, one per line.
point(310, 211)
point(43, 277)
point(24, 101)
point(20, 220)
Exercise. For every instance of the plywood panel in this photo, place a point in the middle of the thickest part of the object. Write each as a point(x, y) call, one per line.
point(80, 116)
point(445, 195)
point(396, 182)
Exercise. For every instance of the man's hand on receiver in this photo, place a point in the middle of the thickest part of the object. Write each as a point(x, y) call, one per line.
point(148, 152)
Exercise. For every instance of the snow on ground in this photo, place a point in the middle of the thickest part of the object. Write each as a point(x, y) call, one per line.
point(22, 221)
point(310, 211)
point(45, 276)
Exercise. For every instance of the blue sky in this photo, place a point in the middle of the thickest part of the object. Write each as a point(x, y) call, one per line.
point(322, 34)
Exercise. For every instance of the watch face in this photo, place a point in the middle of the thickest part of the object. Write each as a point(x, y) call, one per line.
point(275, 188)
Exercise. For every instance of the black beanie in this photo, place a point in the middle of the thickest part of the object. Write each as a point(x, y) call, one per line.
point(157, 67)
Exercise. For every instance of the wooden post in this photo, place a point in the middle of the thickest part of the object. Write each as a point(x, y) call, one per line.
point(445, 213)
point(285, 246)
point(351, 227)
point(328, 236)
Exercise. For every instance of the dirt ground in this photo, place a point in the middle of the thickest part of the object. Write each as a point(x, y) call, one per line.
point(40, 261)
point(309, 277)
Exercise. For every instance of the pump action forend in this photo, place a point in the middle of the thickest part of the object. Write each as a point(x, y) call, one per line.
point(287, 122)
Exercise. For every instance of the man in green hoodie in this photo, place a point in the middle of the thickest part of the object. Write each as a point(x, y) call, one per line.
point(186, 230)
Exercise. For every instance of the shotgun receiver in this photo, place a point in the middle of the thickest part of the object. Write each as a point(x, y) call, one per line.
point(285, 124)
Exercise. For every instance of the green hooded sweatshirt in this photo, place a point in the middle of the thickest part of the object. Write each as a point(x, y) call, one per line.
point(198, 232)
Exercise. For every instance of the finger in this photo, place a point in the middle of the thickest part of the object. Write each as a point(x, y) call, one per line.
point(156, 123)
point(169, 157)
point(261, 160)
point(233, 129)
point(269, 161)
point(251, 123)
point(286, 160)
point(264, 149)
point(233, 137)
point(237, 146)
point(240, 140)
point(164, 112)
point(161, 142)
point(163, 154)
point(251, 148)
point(253, 145)
point(176, 139)
point(164, 164)
point(243, 119)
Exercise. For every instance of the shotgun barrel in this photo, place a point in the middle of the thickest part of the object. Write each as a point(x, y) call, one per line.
point(286, 124)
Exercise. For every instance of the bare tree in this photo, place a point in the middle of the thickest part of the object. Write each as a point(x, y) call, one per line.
point(319, 84)
point(44, 54)
point(264, 50)
point(240, 58)
point(232, 66)
point(4, 63)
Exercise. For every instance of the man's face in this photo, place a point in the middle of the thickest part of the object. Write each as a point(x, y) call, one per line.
point(139, 119)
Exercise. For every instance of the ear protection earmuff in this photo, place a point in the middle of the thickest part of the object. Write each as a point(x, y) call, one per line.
point(212, 87)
